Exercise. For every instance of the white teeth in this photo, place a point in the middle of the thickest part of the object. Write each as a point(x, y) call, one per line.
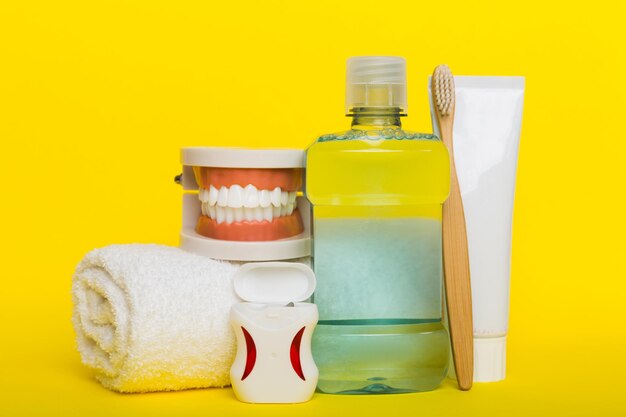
point(264, 198)
point(237, 203)
point(213, 193)
point(275, 197)
point(235, 196)
point(230, 215)
point(251, 197)
point(239, 214)
point(248, 214)
point(220, 215)
point(258, 214)
point(222, 198)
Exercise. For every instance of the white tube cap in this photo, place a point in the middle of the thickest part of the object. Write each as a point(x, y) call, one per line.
point(489, 359)
point(376, 81)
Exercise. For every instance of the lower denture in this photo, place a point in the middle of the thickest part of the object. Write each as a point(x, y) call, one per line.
point(279, 228)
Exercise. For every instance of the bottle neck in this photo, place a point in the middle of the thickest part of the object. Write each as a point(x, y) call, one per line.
point(368, 118)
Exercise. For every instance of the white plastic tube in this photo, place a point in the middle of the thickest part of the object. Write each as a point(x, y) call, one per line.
point(487, 122)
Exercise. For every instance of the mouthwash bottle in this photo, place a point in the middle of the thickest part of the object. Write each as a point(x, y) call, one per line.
point(377, 193)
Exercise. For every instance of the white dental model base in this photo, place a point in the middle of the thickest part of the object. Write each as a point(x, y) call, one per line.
point(274, 363)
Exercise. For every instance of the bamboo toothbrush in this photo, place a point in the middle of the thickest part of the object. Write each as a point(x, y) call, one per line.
point(455, 256)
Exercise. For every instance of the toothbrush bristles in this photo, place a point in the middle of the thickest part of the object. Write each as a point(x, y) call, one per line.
point(443, 88)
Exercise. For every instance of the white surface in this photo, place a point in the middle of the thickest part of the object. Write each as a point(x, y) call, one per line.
point(487, 125)
point(274, 282)
point(144, 311)
point(376, 81)
point(242, 157)
point(290, 248)
point(489, 359)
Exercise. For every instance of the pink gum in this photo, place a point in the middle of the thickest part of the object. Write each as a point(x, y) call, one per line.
point(288, 179)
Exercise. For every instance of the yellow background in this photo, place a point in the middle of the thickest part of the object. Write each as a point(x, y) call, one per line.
point(96, 98)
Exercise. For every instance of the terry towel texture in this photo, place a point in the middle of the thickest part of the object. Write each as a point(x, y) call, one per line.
point(154, 318)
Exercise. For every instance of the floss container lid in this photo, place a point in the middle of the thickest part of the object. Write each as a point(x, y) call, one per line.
point(274, 282)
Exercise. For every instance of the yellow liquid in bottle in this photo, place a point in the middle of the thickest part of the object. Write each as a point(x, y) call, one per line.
point(390, 172)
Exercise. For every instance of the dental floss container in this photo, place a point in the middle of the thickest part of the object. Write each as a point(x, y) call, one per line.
point(205, 232)
point(273, 328)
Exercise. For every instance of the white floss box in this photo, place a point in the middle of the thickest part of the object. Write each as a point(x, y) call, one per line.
point(273, 327)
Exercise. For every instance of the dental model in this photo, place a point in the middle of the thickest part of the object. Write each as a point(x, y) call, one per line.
point(247, 206)
point(244, 198)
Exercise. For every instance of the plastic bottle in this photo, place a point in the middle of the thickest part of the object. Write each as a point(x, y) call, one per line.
point(377, 192)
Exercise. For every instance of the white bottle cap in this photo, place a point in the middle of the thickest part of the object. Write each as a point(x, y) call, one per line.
point(376, 81)
point(489, 359)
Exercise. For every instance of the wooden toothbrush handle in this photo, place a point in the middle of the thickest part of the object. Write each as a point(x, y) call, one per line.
point(457, 283)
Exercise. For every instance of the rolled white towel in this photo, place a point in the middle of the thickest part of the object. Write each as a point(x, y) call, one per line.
point(154, 318)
